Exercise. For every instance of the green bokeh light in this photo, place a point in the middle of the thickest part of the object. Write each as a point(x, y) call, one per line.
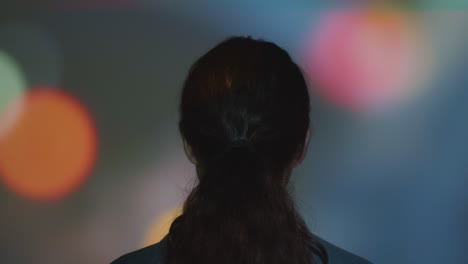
point(12, 81)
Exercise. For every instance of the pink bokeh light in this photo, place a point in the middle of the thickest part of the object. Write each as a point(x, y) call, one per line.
point(364, 60)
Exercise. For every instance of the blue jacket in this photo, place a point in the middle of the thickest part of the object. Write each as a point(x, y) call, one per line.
point(153, 254)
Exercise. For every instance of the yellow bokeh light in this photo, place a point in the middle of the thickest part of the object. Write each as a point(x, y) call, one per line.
point(160, 227)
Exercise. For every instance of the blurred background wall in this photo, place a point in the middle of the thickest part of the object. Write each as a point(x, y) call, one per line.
point(92, 166)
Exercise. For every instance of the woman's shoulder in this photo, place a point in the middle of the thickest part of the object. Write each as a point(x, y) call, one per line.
point(337, 255)
point(152, 254)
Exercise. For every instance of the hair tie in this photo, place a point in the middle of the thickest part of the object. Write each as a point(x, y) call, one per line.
point(241, 143)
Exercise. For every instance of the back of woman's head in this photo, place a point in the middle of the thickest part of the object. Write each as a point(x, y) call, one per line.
point(244, 120)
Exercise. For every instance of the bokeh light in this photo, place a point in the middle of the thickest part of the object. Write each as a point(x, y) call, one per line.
point(51, 148)
point(160, 227)
point(366, 60)
point(12, 86)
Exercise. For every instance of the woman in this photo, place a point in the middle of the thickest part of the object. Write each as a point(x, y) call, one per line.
point(245, 125)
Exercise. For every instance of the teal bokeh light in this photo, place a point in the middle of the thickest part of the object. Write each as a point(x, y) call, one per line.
point(12, 81)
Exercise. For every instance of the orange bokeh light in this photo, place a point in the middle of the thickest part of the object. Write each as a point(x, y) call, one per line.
point(51, 149)
point(160, 227)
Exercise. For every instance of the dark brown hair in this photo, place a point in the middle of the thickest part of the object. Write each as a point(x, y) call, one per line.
point(244, 113)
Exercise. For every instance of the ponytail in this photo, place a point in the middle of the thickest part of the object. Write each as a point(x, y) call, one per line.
point(236, 175)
